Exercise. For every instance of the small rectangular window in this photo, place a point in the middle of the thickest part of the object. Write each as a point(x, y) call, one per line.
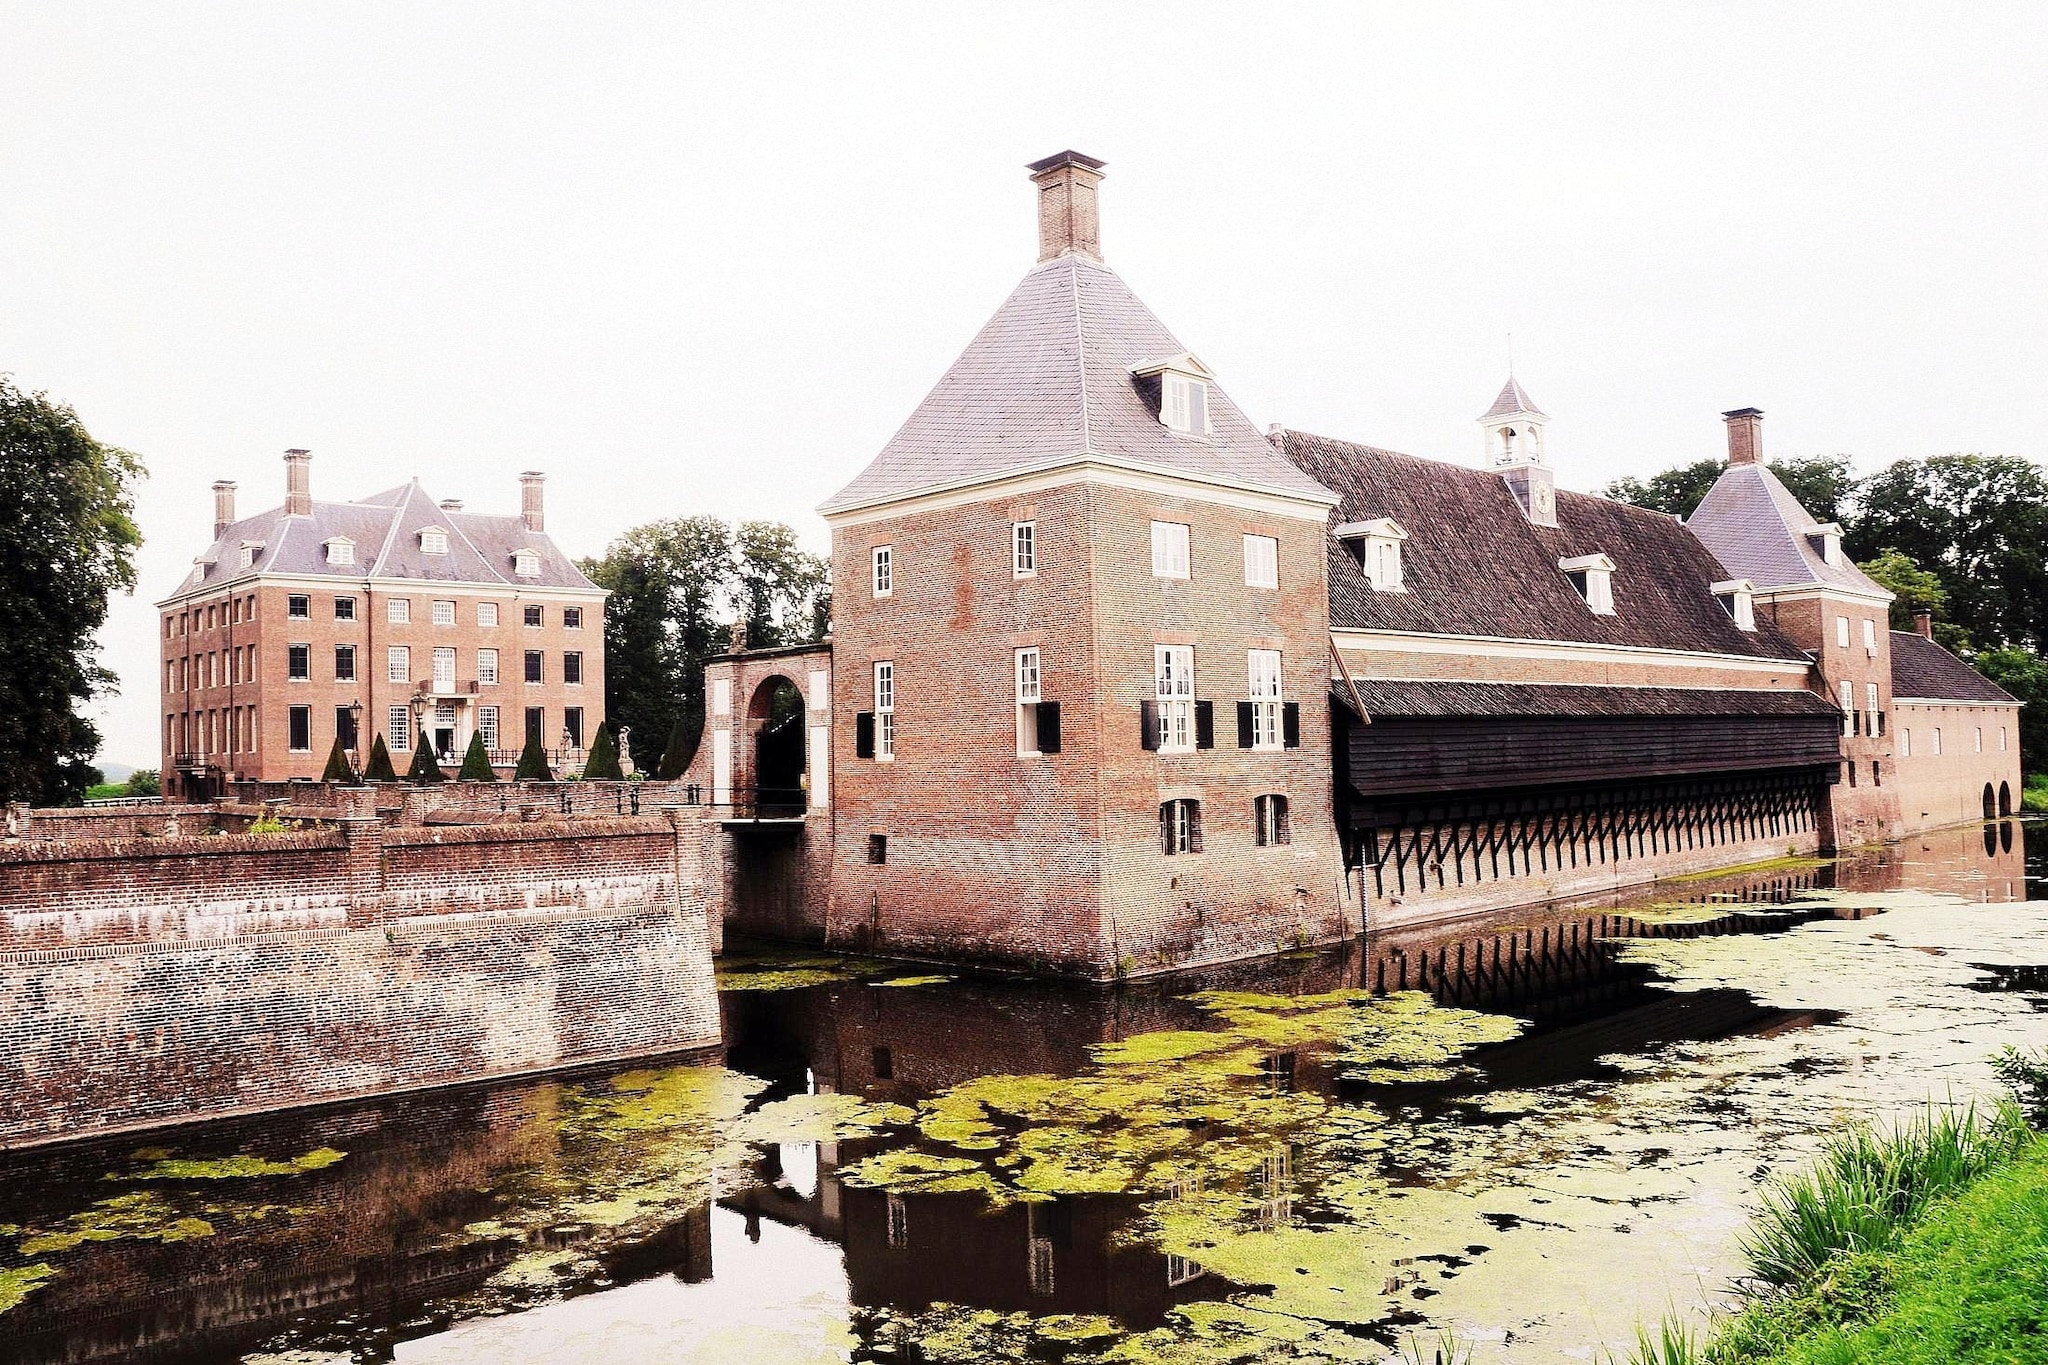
point(884, 570)
point(344, 663)
point(398, 664)
point(298, 662)
point(1028, 695)
point(1870, 707)
point(1979, 740)
point(572, 618)
point(878, 848)
point(487, 667)
point(344, 608)
point(1180, 827)
point(1173, 687)
point(1169, 550)
point(433, 542)
point(572, 667)
point(536, 727)
point(1937, 739)
point(1261, 562)
point(444, 613)
point(885, 710)
point(298, 606)
point(572, 724)
point(1842, 631)
point(398, 610)
point(444, 668)
point(1869, 634)
point(1024, 548)
point(398, 726)
point(1263, 669)
point(487, 725)
point(884, 1064)
point(301, 721)
point(1269, 821)
point(533, 615)
point(1185, 405)
point(1905, 744)
point(536, 670)
point(487, 613)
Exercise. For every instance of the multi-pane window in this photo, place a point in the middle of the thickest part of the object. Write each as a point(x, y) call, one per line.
point(1870, 707)
point(1261, 562)
point(526, 564)
point(1869, 634)
point(883, 565)
point(297, 606)
point(885, 709)
point(1029, 694)
point(1905, 744)
point(535, 670)
point(398, 726)
point(300, 719)
point(1173, 685)
point(572, 667)
point(1263, 667)
point(344, 663)
point(1169, 549)
point(433, 542)
point(344, 608)
point(487, 667)
point(572, 618)
point(572, 725)
point(298, 665)
point(1024, 548)
point(487, 613)
point(1269, 821)
point(398, 664)
point(487, 725)
point(1848, 699)
point(1180, 827)
point(345, 727)
point(536, 726)
point(1185, 405)
point(1842, 632)
point(444, 613)
point(444, 668)
point(398, 610)
point(532, 615)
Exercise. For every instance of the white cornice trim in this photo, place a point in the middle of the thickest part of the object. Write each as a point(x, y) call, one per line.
point(1558, 651)
point(336, 582)
point(1091, 467)
point(1800, 592)
point(1953, 701)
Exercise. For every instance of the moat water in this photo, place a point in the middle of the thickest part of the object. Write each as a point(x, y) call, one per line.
point(1537, 1130)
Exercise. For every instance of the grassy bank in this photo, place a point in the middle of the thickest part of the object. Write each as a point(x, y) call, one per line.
point(2034, 796)
point(1927, 1243)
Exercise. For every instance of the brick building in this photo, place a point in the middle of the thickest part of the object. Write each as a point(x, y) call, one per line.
point(395, 615)
point(1118, 683)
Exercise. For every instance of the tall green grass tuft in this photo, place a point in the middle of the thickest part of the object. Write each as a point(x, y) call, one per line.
point(1869, 1186)
point(1445, 1350)
point(1673, 1343)
point(2025, 1074)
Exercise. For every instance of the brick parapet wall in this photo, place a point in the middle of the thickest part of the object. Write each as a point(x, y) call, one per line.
point(1948, 788)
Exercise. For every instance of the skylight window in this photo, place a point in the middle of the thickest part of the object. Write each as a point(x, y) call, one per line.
point(1593, 577)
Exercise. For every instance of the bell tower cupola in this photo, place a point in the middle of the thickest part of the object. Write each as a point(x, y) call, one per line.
point(1513, 444)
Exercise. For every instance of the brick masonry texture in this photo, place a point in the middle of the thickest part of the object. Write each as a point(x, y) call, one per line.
point(1980, 749)
point(153, 980)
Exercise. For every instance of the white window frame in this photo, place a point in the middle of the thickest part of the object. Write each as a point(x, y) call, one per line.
point(885, 710)
point(398, 726)
point(1261, 561)
point(433, 541)
point(1184, 403)
point(526, 564)
point(1978, 741)
point(1870, 636)
point(487, 725)
point(1027, 672)
point(1024, 549)
point(341, 551)
point(398, 610)
point(1173, 691)
point(487, 667)
point(398, 663)
point(1180, 830)
point(1262, 673)
point(1848, 698)
point(1870, 708)
point(1269, 825)
point(353, 667)
point(1598, 572)
point(1906, 742)
point(882, 570)
point(443, 612)
point(1841, 632)
point(444, 667)
point(1172, 549)
point(290, 713)
point(487, 613)
point(1937, 741)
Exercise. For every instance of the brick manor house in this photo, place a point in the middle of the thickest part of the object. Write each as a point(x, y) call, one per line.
point(395, 615)
point(1119, 683)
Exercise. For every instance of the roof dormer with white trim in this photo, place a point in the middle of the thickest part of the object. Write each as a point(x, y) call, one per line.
point(1593, 577)
point(1376, 545)
point(1178, 389)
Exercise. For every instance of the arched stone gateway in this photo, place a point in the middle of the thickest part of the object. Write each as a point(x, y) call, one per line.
point(1991, 810)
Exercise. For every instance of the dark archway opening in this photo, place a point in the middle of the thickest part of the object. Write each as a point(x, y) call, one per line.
point(777, 716)
point(2005, 798)
point(1990, 802)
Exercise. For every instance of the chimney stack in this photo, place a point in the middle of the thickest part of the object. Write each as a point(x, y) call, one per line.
point(1067, 217)
point(223, 506)
point(451, 504)
point(298, 483)
point(1923, 623)
point(529, 500)
point(1745, 435)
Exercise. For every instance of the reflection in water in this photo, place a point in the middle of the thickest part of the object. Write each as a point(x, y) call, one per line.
point(1537, 1126)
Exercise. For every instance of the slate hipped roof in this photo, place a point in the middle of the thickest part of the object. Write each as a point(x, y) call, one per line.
point(1512, 399)
point(1923, 669)
point(385, 528)
point(1390, 698)
point(1047, 382)
point(1474, 565)
point(1754, 525)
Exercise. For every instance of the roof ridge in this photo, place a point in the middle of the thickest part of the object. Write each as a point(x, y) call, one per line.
point(454, 524)
point(1081, 356)
point(391, 531)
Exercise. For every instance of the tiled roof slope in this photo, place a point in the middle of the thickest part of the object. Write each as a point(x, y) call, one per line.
point(1922, 668)
point(385, 529)
point(1754, 525)
point(1048, 379)
point(1390, 698)
point(1473, 565)
point(1512, 399)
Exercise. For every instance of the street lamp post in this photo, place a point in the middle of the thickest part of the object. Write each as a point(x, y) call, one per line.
point(355, 737)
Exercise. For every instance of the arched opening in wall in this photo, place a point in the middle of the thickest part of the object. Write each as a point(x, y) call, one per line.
point(2005, 798)
point(1990, 802)
point(775, 715)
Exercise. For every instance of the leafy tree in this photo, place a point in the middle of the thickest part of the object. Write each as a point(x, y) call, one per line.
point(67, 541)
point(425, 769)
point(1915, 590)
point(682, 747)
point(1677, 490)
point(2024, 674)
point(1980, 524)
point(533, 764)
point(779, 586)
point(337, 769)
point(143, 782)
point(603, 763)
point(379, 768)
point(476, 761)
point(1824, 485)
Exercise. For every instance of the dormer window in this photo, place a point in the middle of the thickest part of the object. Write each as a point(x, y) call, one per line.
point(434, 541)
point(1738, 600)
point(1181, 392)
point(340, 550)
point(1826, 540)
point(1377, 547)
point(252, 550)
point(526, 563)
point(1593, 577)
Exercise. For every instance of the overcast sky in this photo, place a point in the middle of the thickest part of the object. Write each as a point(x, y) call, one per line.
point(706, 258)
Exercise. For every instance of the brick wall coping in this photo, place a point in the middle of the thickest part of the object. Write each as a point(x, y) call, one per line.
point(99, 951)
point(581, 827)
point(38, 814)
point(185, 846)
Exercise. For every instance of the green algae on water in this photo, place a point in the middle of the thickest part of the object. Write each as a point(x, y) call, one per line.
point(143, 1216)
point(829, 1116)
point(914, 981)
point(18, 1282)
point(167, 1167)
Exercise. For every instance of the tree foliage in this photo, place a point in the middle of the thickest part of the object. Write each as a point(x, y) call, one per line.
point(682, 748)
point(2024, 674)
point(603, 763)
point(1915, 590)
point(1676, 490)
point(67, 543)
point(144, 782)
point(476, 761)
point(1824, 484)
point(676, 586)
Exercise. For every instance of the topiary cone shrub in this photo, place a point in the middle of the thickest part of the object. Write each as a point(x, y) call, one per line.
point(380, 769)
point(682, 747)
point(603, 763)
point(533, 764)
point(424, 769)
point(476, 763)
point(338, 769)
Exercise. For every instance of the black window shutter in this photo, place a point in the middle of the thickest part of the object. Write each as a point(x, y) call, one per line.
point(1048, 727)
point(1205, 725)
point(1148, 721)
point(864, 734)
point(1290, 724)
point(1286, 827)
point(1166, 827)
point(1194, 827)
point(1244, 725)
